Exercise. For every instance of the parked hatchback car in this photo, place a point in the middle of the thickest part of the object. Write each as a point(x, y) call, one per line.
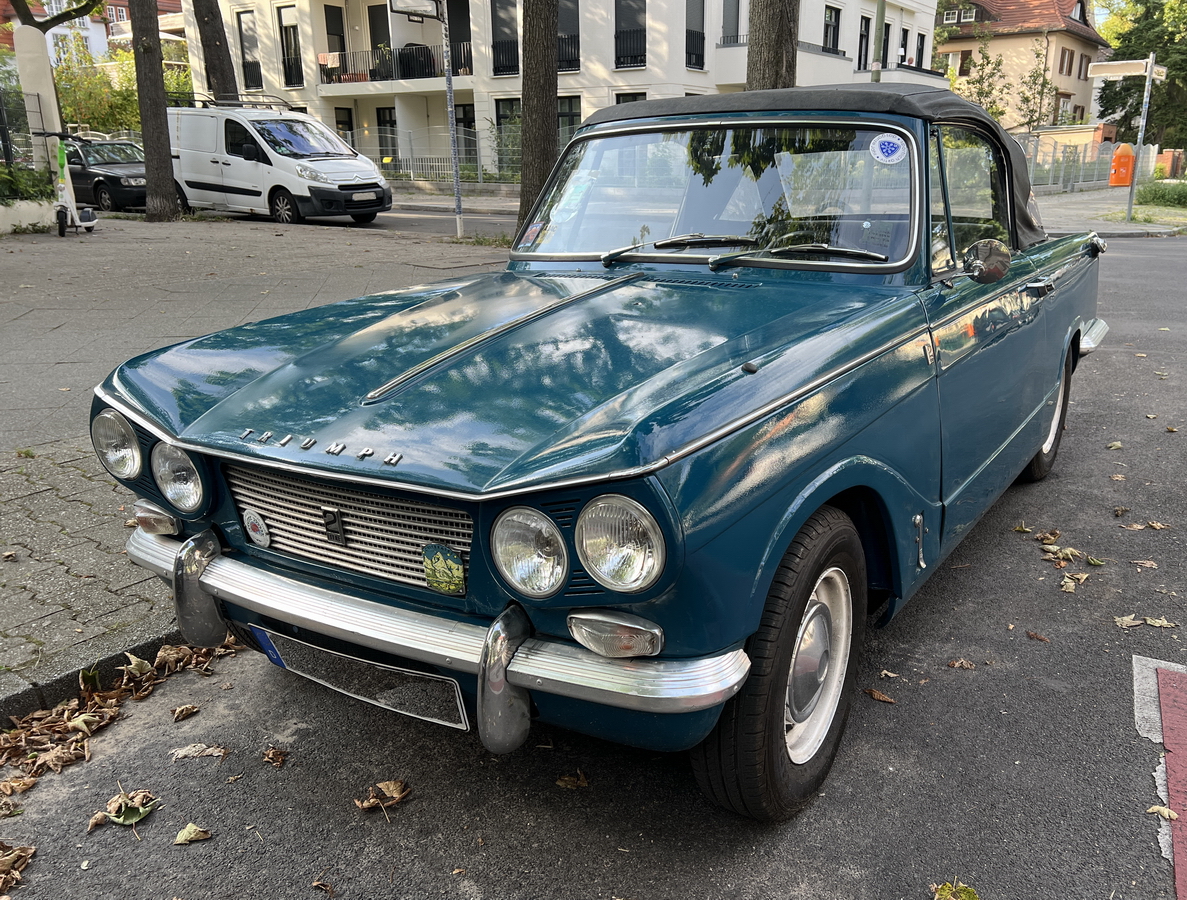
point(757, 364)
point(109, 174)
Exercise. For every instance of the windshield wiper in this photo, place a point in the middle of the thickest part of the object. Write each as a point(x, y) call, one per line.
point(696, 239)
point(718, 262)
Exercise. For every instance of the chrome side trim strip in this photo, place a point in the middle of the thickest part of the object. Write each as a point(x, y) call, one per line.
point(516, 488)
point(470, 343)
point(1093, 336)
point(651, 685)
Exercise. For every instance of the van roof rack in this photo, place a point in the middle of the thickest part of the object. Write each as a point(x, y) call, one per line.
point(240, 101)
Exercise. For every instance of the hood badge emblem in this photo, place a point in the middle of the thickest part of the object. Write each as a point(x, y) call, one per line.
point(335, 448)
point(257, 530)
point(335, 527)
point(444, 572)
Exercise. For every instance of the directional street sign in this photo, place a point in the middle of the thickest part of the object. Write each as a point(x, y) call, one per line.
point(1115, 70)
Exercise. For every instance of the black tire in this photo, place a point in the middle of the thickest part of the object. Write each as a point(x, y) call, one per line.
point(758, 761)
point(104, 199)
point(61, 223)
point(363, 218)
point(183, 204)
point(1042, 463)
point(284, 208)
point(244, 635)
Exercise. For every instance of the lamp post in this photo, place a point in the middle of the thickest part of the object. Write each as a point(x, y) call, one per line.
point(436, 9)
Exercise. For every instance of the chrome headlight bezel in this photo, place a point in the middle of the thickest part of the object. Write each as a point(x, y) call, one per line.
point(117, 420)
point(593, 558)
point(170, 460)
point(513, 526)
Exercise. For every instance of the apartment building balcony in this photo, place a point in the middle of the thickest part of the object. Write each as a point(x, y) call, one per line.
point(568, 52)
point(409, 62)
point(505, 56)
point(630, 49)
point(694, 49)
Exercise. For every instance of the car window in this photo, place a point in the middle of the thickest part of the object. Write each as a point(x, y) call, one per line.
point(976, 188)
point(113, 153)
point(236, 135)
point(301, 139)
point(941, 237)
point(777, 187)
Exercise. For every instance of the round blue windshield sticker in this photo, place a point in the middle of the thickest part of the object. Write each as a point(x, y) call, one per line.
point(888, 148)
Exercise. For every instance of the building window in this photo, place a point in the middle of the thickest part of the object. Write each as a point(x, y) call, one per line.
point(630, 34)
point(385, 125)
point(335, 30)
point(920, 49)
point(1078, 114)
point(1078, 12)
point(966, 63)
point(863, 43)
point(632, 98)
point(508, 116)
point(249, 50)
point(885, 44)
point(832, 27)
point(951, 16)
point(504, 37)
point(568, 36)
point(968, 15)
point(694, 34)
point(290, 47)
point(904, 41)
point(121, 14)
point(729, 22)
point(111, 13)
point(1067, 59)
point(1065, 108)
point(467, 133)
point(568, 117)
point(1085, 62)
point(344, 121)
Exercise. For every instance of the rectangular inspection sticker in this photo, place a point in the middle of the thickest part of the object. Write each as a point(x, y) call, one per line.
point(267, 646)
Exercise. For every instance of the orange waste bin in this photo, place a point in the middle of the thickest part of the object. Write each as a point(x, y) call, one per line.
point(1121, 172)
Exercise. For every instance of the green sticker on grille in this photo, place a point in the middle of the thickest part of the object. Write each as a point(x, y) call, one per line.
point(443, 569)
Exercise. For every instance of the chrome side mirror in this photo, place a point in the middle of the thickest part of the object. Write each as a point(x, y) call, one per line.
point(987, 261)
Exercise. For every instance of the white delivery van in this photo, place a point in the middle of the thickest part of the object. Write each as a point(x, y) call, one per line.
point(272, 162)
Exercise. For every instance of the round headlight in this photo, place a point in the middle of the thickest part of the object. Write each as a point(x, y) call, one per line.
point(115, 443)
point(177, 477)
point(529, 552)
point(620, 544)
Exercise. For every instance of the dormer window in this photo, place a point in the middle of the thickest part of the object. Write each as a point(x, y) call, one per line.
point(951, 16)
point(1078, 11)
point(968, 15)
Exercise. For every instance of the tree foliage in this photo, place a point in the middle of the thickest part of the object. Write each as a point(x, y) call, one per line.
point(985, 84)
point(1036, 92)
point(1121, 101)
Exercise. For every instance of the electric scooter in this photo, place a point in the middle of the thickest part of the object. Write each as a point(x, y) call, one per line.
point(67, 214)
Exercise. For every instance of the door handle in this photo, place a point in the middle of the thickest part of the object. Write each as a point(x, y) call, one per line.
point(225, 163)
point(214, 162)
point(1042, 286)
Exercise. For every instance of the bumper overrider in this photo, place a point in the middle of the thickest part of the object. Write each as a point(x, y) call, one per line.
point(506, 660)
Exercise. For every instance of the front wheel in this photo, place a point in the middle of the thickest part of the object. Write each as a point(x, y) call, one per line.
point(284, 208)
point(776, 740)
point(61, 223)
point(1043, 461)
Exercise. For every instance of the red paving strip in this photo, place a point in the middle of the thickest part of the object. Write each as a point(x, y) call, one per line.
point(1172, 699)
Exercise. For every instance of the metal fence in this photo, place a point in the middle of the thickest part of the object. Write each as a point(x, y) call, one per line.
point(1056, 166)
point(20, 115)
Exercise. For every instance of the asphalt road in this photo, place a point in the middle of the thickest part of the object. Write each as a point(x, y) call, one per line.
point(1023, 776)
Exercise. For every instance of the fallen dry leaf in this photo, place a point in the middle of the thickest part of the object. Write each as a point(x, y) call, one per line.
point(191, 833)
point(323, 886)
point(9, 555)
point(1119, 511)
point(16, 786)
point(1117, 477)
point(183, 712)
point(1078, 577)
point(573, 781)
point(12, 862)
point(1171, 429)
point(1157, 526)
point(1145, 563)
point(458, 872)
point(193, 751)
point(1160, 622)
point(389, 793)
point(1067, 584)
point(1022, 529)
point(1093, 561)
point(129, 808)
point(1133, 526)
point(1130, 621)
point(879, 696)
point(1165, 812)
point(1115, 445)
point(886, 673)
point(275, 756)
point(1035, 636)
point(1048, 537)
point(961, 663)
point(99, 818)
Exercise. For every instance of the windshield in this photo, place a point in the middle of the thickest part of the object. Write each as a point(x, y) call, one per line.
point(100, 154)
point(300, 138)
point(788, 192)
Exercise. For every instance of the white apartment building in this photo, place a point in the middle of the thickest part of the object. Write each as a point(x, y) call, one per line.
point(379, 76)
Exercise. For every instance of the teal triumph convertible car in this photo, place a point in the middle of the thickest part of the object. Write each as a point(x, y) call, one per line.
point(756, 365)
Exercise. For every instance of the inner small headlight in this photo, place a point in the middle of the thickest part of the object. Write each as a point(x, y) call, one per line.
point(116, 445)
point(529, 552)
point(177, 477)
point(620, 544)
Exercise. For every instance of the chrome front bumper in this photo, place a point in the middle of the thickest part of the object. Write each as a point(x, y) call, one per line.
point(201, 575)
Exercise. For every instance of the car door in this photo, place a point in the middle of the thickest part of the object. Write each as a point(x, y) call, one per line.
point(988, 338)
point(243, 179)
point(199, 168)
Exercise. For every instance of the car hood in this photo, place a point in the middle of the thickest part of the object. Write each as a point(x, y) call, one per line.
point(120, 170)
point(509, 380)
point(345, 169)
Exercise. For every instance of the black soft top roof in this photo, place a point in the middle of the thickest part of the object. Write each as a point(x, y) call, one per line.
point(915, 100)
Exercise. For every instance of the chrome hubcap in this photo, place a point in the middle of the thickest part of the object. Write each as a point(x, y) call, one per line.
point(818, 663)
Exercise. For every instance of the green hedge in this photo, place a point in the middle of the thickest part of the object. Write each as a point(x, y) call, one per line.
point(1161, 193)
point(19, 183)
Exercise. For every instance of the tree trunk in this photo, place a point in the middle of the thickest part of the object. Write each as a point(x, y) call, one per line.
point(216, 50)
point(771, 54)
point(539, 134)
point(161, 205)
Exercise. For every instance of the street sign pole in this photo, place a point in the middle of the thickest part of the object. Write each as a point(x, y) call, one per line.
point(1137, 161)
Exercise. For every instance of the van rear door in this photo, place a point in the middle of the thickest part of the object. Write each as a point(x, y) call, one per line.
point(198, 167)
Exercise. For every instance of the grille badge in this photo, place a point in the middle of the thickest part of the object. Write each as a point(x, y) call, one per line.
point(335, 530)
point(257, 531)
point(444, 571)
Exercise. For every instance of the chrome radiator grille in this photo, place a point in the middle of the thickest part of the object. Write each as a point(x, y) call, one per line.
point(384, 535)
